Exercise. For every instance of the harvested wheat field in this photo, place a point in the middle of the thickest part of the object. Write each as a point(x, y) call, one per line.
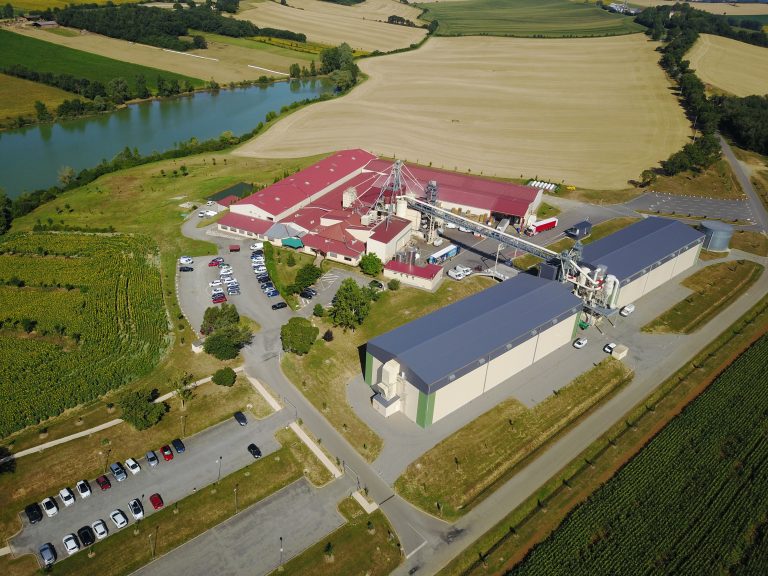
point(729, 65)
point(594, 112)
point(734, 9)
point(221, 62)
point(362, 26)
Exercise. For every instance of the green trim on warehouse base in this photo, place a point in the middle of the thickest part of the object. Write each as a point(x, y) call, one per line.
point(368, 368)
point(425, 410)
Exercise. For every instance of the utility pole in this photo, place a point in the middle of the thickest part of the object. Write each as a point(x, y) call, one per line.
point(219, 476)
point(235, 491)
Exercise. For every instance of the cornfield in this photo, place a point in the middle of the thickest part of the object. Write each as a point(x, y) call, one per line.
point(80, 314)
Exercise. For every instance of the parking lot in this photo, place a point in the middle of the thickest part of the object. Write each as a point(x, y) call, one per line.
point(222, 447)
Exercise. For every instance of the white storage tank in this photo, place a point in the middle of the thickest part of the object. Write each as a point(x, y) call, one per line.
point(717, 235)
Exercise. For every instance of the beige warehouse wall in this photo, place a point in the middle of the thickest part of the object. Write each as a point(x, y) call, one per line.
point(459, 392)
point(410, 401)
point(551, 339)
point(510, 363)
point(632, 291)
point(686, 260)
point(660, 275)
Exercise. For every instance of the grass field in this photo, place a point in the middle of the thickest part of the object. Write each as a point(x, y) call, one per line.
point(505, 545)
point(12, 104)
point(704, 514)
point(729, 65)
point(80, 458)
point(43, 4)
point(44, 54)
point(712, 287)
point(546, 211)
point(322, 375)
point(548, 18)
point(362, 26)
point(481, 104)
point(361, 546)
point(748, 241)
point(465, 467)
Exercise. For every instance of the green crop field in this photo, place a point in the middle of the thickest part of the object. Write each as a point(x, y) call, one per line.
point(693, 501)
point(548, 18)
point(81, 314)
point(47, 57)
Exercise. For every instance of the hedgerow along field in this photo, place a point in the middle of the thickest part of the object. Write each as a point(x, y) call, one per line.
point(81, 314)
point(693, 501)
point(548, 18)
point(48, 57)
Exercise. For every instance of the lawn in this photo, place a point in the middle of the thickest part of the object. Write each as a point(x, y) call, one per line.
point(598, 231)
point(463, 469)
point(539, 18)
point(507, 543)
point(712, 287)
point(12, 105)
point(546, 211)
point(748, 241)
point(48, 57)
point(125, 551)
point(81, 458)
point(323, 374)
point(364, 545)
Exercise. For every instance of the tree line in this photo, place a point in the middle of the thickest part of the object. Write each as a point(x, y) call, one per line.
point(159, 27)
point(679, 27)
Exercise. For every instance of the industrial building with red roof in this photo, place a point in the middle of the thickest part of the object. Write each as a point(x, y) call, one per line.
point(338, 208)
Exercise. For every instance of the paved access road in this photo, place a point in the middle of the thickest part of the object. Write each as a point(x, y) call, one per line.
point(757, 208)
point(198, 466)
point(249, 543)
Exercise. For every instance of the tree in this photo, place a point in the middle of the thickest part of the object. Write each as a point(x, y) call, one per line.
point(118, 90)
point(371, 264)
point(305, 277)
point(298, 335)
point(141, 87)
point(318, 310)
point(393, 284)
point(66, 175)
point(312, 69)
point(291, 260)
point(6, 216)
point(294, 71)
point(220, 346)
point(43, 115)
point(352, 305)
point(224, 377)
point(199, 42)
point(215, 318)
point(8, 11)
point(139, 410)
point(183, 392)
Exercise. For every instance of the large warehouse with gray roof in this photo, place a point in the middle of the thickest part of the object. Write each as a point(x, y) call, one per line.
point(434, 365)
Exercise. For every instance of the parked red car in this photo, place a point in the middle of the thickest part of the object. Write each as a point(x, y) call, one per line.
point(167, 453)
point(103, 482)
point(157, 501)
point(219, 298)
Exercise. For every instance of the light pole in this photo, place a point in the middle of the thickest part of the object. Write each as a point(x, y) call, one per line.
point(219, 476)
point(281, 550)
point(151, 548)
point(235, 491)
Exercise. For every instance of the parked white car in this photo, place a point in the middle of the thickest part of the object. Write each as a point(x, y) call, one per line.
point(214, 283)
point(71, 544)
point(186, 260)
point(466, 271)
point(118, 518)
point(50, 507)
point(133, 466)
point(455, 274)
point(579, 343)
point(609, 347)
point(137, 510)
point(83, 488)
point(627, 310)
point(210, 213)
point(100, 529)
point(67, 497)
point(257, 246)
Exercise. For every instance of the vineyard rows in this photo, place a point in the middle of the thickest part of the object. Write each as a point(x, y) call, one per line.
point(693, 501)
point(88, 318)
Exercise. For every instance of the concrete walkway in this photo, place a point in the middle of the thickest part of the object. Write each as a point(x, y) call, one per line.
point(100, 427)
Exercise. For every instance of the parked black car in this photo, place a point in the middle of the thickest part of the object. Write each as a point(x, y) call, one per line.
point(254, 450)
point(306, 294)
point(86, 535)
point(241, 419)
point(178, 445)
point(279, 306)
point(34, 513)
point(186, 269)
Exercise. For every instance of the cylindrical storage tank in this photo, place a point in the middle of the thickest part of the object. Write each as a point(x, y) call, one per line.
point(611, 288)
point(717, 235)
point(401, 207)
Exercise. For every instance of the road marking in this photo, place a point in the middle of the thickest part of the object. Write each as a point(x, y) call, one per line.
point(267, 69)
point(5, 551)
point(274, 404)
point(316, 450)
point(419, 547)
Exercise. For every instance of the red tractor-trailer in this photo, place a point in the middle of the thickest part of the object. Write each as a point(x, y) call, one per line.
point(540, 226)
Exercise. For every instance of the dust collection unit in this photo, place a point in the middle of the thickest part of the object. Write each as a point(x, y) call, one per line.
point(434, 365)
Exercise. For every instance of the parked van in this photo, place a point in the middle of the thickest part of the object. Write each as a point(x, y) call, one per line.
point(438, 242)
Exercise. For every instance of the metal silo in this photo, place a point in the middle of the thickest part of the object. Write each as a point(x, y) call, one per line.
point(717, 235)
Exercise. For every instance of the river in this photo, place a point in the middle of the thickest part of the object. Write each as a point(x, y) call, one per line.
point(32, 157)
